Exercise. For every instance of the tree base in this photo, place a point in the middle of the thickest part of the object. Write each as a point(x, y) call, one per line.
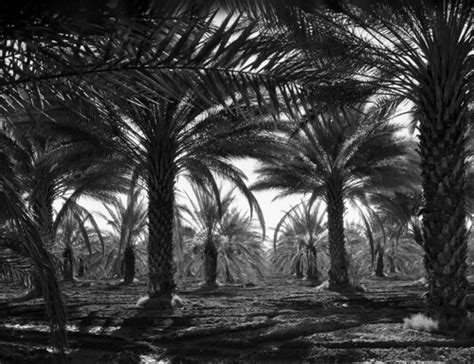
point(341, 288)
point(162, 302)
point(124, 282)
point(70, 280)
point(312, 281)
point(208, 286)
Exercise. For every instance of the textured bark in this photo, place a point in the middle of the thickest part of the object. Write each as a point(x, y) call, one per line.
point(312, 272)
point(228, 275)
point(210, 264)
point(391, 264)
point(43, 209)
point(68, 264)
point(380, 264)
point(298, 270)
point(129, 265)
point(161, 179)
point(82, 269)
point(338, 277)
point(444, 116)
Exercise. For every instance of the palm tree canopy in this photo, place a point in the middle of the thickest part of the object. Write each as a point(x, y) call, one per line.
point(357, 149)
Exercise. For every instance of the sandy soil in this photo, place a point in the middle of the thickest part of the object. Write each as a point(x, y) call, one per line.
point(278, 321)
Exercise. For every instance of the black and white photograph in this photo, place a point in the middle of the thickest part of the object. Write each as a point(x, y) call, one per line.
point(236, 181)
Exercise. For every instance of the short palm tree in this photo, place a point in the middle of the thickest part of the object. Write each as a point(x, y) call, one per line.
point(398, 216)
point(77, 227)
point(300, 241)
point(242, 255)
point(225, 243)
point(128, 221)
point(343, 155)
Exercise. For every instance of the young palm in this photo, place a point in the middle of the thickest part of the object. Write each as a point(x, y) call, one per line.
point(206, 215)
point(242, 255)
point(129, 222)
point(224, 242)
point(399, 218)
point(300, 241)
point(76, 228)
point(347, 155)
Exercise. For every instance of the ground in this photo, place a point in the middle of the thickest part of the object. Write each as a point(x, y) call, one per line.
point(277, 321)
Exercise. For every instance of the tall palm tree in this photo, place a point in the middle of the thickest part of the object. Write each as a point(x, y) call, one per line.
point(57, 153)
point(347, 154)
point(419, 51)
point(425, 52)
point(428, 50)
point(169, 138)
point(15, 212)
point(300, 239)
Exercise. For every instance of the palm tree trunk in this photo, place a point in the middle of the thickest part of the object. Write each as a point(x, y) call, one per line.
point(338, 277)
point(128, 264)
point(161, 179)
point(228, 276)
point(82, 269)
point(43, 209)
point(210, 264)
point(444, 117)
point(68, 264)
point(312, 273)
point(379, 267)
point(298, 270)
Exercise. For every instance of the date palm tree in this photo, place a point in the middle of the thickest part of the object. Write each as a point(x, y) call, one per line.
point(57, 154)
point(183, 137)
point(300, 241)
point(77, 227)
point(215, 222)
point(206, 215)
point(15, 215)
point(419, 51)
point(242, 254)
point(225, 243)
point(427, 54)
point(128, 220)
point(346, 154)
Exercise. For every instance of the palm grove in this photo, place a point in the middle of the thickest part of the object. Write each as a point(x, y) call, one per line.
point(99, 98)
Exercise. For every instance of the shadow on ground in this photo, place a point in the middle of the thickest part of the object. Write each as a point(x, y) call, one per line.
point(280, 320)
